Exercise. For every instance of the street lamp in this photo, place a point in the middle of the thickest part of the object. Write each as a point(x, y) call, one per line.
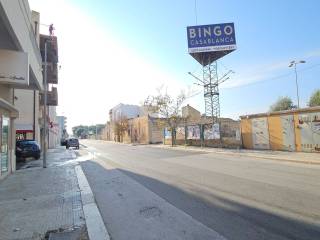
point(294, 64)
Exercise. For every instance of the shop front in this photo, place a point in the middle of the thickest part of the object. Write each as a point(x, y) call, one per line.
point(7, 138)
point(5, 126)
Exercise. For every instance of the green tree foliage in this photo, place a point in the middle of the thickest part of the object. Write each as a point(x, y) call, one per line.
point(315, 99)
point(82, 131)
point(283, 103)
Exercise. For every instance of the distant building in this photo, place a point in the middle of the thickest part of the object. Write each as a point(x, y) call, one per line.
point(190, 113)
point(62, 126)
point(118, 116)
point(124, 111)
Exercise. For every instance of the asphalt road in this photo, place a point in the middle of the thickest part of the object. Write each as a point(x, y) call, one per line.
point(238, 197)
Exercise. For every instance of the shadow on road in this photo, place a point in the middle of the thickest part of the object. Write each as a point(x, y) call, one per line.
point(230, 218)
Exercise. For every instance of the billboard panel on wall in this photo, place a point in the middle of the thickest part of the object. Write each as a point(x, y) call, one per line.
point(309, 125)
point(180, 133)
point(207, 43)
point(193, 132)
point(211, 132)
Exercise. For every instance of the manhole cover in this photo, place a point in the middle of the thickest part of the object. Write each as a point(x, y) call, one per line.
point(149, 212)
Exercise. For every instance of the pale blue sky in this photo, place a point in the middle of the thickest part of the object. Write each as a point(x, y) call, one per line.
point(269, 35)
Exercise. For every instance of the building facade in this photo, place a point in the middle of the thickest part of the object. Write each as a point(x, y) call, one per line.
point(62, 127)
point(20, 68)
point(143, 130)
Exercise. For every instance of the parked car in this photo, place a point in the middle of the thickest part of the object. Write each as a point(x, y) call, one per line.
point(63, 142)
point(72, 142)
point(27, 148)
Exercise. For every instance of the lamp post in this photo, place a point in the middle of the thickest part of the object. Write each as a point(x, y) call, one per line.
point(294, 64)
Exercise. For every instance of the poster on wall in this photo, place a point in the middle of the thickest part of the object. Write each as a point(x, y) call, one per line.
point(211, 131)
point(167, 133)
point(180, 133)
point(194, 132)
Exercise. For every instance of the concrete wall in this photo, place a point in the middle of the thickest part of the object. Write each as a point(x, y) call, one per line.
point(197, 134)
point(54, 139)
point(6, 93)
point(297, 130)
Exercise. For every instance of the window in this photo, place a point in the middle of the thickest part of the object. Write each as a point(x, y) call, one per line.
point(4, 144)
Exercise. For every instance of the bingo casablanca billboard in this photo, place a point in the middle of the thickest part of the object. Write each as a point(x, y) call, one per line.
point(207, 43)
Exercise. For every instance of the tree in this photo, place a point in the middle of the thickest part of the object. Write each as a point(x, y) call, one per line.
point(120, 126)
point(168, 107)
point(283, 103)
point(80, 131)
point(315, 99)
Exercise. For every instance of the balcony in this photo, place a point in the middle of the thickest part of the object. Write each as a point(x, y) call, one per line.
point(52, 73)
point(52, 48)
point(52, 97)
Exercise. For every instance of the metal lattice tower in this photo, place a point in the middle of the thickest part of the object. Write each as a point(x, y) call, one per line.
point(211, 91)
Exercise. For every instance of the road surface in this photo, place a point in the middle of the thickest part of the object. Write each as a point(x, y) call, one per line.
point(237, 197)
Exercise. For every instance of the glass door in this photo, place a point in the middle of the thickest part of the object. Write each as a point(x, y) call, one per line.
point(5, 144)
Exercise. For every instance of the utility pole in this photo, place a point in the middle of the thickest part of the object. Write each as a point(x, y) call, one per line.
point(211, 82)
point(44, 164)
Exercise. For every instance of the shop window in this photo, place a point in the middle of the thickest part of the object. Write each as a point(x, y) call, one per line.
point(5, 144)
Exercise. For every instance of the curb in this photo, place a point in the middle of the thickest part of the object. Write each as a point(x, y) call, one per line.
point(244, 155)
point(95, 225)
point(177, 147)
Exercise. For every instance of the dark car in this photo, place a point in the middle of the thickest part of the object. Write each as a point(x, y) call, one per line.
point(27, 148)
point(72, 142)
point(63, 142)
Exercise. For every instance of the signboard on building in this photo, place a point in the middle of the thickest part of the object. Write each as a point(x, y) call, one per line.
point(14, 67)
point(207, 43)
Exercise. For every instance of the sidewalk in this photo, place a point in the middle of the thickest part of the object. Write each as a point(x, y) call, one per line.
point(38, 203)
point(296, 157)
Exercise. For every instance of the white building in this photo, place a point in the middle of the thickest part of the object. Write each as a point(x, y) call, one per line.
point(53, 136)
point(124, 111)
point(62, 125)
point(20, 68)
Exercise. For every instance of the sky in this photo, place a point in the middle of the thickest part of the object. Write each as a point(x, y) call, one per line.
point(114, 52)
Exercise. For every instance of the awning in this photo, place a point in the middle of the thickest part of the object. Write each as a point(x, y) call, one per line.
point(23, 128)
point(13, 112)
